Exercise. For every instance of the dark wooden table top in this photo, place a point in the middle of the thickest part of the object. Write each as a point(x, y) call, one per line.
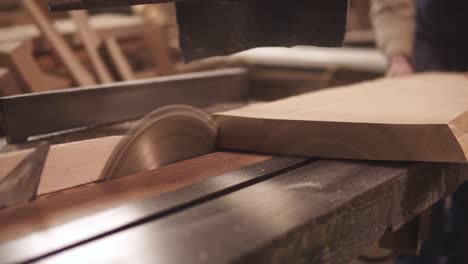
point(64, 206)
point(314, 211)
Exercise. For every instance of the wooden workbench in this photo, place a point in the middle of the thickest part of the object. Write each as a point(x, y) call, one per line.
point(229, 207)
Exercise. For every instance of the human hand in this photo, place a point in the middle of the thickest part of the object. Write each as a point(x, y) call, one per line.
point(399, 66)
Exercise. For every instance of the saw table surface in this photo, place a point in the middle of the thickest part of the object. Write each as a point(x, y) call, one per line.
point(258, 209)
point(64, 206)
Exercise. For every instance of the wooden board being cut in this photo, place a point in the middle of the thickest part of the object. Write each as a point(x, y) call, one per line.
point(300, 57)
point(67, 165)
point(418, 118)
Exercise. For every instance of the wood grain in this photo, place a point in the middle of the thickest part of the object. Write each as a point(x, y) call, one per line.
point(68, 205)
point(418, 118)
point(329, 211)
point(67, 165)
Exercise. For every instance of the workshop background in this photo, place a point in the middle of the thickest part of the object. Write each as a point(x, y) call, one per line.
point(131, 47)
point(146, 45)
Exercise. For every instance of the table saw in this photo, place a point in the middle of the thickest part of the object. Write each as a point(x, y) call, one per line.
point(228, 207)
point(206, 206)
point(188, 201)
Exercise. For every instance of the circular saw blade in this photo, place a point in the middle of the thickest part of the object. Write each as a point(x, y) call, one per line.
point(165, 136)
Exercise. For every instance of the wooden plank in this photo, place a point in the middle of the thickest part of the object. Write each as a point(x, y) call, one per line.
point(325, 212)
point(418, 118)
point(79, 74)
point(18, 58)
point(91, 42)
point(44, 113)
point(8, 85)
point(298, 58)
point(49, 216)
point(67, 165)
point(120, 62)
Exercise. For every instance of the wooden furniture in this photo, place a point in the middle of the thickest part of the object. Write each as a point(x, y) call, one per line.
point(124, 41)
point(8, 85)
point(106, 25)
point(160, 49)
point(417, 118)
point(12, 18)
point(163, 30)
point(120, 63)
point(120, 38)
point(11, 15)
point(77, 71)
point(18, 58)
point(358, 16)
point(92, 44)
point(11, 12)
point(96, 46)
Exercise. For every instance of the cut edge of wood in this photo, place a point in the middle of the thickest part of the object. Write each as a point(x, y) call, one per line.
point(386, 142)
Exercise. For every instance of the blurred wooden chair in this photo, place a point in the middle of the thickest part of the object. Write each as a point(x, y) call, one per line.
point(161, 33)
point(77, 71)
point(98, 48)
point(85, 50)
point(18, 58)
point(8, 85)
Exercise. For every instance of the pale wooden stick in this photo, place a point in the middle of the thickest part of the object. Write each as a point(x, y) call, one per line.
point(117, 56)
point(78, 72)
point(91, 42)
